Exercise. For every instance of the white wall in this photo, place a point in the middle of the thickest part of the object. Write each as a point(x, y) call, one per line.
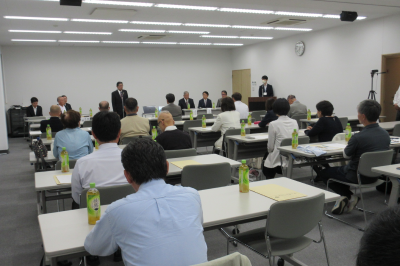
point(88, 75)
point(3, 123)
point(335, 66)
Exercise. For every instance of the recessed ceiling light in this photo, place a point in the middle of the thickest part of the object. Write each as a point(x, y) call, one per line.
point(207, 25)
point(27, 40)
point(251, 27)
point(156, 23)
point(78, 41)
point(195, 43)
point(239, 10)
point(133, 30)
point(118, 3)
point(229, 44)
point(208, 8)
point(294, 29)
point(331, 16)
point(88, 32)
point(99, 20)
point(188, 32)
point(118, 42)
point(36, 18)
point(159, 42)
point(36, 31)
point(219, 36)
point(256, 38)
point(284, 13)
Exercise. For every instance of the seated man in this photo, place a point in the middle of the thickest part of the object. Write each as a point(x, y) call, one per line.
point(371, 138)
point(241, 107)
point(296, 108)
point(172, 138)
point(77, 141)
point(174, 109)
point(104, 106)
point(104, 166)
point(160, 224)
point(205, 102)
point(183, 103)
point(34, 109)
point(54, 121)
point(133, 125)
point(224, 94)
point(61, 102)
point(67, 105)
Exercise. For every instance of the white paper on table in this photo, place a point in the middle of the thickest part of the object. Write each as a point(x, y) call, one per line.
point(64, 179)
point(207, 128)
point(194, 112)
point(209, 111)
point(260, 137)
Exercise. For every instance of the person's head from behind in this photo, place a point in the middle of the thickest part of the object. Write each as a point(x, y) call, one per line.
point(144, 160)
point(281, 107)
point(165, 120)
point(104, 106)
point(61, 100)
point(264, 79)
point(34, 102)
point(186, 95)
point(170, 98)
point(236, 96)
point(368, 111)
point(55, 111)
point(131, 106)
point(324, 108)
point(205, 95)
point(381, 240)
point(269, 103)
point(65, 98)
point(227, 105)
point(224, 94)
point(71, 119)
point(106, 127)
point(120, 85)
point(291, 99)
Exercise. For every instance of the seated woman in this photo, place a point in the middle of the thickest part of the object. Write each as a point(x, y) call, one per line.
point(371, 138)
point(278, 130)
point(270, 115)
point(327, 125)
point(225, 120)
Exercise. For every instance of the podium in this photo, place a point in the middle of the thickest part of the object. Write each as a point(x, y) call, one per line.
point(258, 103)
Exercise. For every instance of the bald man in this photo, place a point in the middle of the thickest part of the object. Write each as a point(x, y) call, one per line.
point(54, 121)
point(171, 138)
point(104, 106)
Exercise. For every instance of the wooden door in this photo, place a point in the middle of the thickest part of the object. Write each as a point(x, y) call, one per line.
point(390, 83)
point(241, 82)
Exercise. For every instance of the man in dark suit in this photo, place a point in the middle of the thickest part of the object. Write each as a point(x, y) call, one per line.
point(34, 109)
point(265, 90)
point(67, 105)
point(205, 102)
point(118, 98)
point(54, 121)
point(185, 101)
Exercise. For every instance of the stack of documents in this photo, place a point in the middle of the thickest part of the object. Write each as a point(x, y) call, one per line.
point(277, 192)
point(63, 179)
point(182, 164)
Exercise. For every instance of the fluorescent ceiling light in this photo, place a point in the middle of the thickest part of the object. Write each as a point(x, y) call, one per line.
point(256, 38)
point(207, 8)
point(239, 10)
point(219, 36)
point(338, 17)
point(159, 42)
point(156, 23)
point(207, 25)
point(99, 20)
point(118, 3)
point(36, 31)
point(229, 44)
point(188, 32)
point(284, 13)
point(361, 18)
point(251, 27)
point(36, 18)
point(294, 29)
point(78, 41)
point(195, 43)
point(27, 40)
point(133, 30)
point(88, 32)
point(118, 42)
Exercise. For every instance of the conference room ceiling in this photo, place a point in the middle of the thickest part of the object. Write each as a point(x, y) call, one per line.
point(234, 21)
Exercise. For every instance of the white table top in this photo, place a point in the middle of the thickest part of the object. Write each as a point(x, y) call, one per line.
point(220, 206)
point(36, 133)
point(390, 170)
point(385, 125)
point(45, 180)
point(47, 142)
point(213, 109)
point(50, 157)
point(208, 129)
point(34, 126)
point(259, 137)
point(180, 123)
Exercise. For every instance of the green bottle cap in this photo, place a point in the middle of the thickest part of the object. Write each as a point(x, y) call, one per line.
point(243, 161)
point(242, 121)
point(154, 126)
point(295, 130)
point(92, 185)
point(204, 115)
point(48, 125)
point(348, 124)
point(64, 149)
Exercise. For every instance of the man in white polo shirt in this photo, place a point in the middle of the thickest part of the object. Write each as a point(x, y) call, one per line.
point(241, 107)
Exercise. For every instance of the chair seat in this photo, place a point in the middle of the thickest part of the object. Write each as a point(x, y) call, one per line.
point(377, 183)
point(256, 239)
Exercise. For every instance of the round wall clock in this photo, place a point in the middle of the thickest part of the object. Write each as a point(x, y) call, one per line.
point(299, 48)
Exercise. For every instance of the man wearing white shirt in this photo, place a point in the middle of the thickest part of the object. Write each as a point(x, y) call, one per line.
point(61, 103)
point(396, 103)
point(241, 107)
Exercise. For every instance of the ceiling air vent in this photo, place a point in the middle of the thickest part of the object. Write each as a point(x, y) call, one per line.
point(286, 22)
point(152, 37)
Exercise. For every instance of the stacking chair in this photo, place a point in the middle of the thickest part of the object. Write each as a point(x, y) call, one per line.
point(191, 123)
point(234, 259)
point(367, 161)
point(257, 115)
point(177, 118)
point(208, 116)
point(108, 194)
point(231, 132)
point(126, 140)
point(298, 117)
point(396, 130)
point(148, 110)
point(344, 121)
point(169, 154)
point(206, 176)
point(284, 234)
point(87, 123)
point(288, 142)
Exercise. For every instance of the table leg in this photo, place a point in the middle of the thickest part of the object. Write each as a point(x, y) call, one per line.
point(235, 151)
point(394, 194)
point(44, 207)
point(53, 261)
point(195, 140)
point(39, 206)
point(290, 166)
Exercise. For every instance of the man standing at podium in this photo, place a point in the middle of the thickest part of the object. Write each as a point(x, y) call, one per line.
point(265, 90)
point(118, 98)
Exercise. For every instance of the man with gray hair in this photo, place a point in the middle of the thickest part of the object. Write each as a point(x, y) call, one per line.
point(371, 138)
point(296, 108)
point(183, 103)
point(104, 106)
point(61, 103)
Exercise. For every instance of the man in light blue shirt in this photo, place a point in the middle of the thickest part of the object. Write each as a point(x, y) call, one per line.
point(77, 141)
point(160, 224)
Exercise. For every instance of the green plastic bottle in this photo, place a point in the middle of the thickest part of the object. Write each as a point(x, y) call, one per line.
point(48, 133)
point(96, 144)
point(191, 114)
point(90, 112)
point(213, 105)
point(188, 105)
point(243, 129)
point(156, 113)
point(249, 119)
point(244, 177)
point(295, 139)
point(93, 204)
point(348, 132)
point(154, 133)
point(308, 114)
point(64, 160)
point(80, 110)
point(203, 122)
